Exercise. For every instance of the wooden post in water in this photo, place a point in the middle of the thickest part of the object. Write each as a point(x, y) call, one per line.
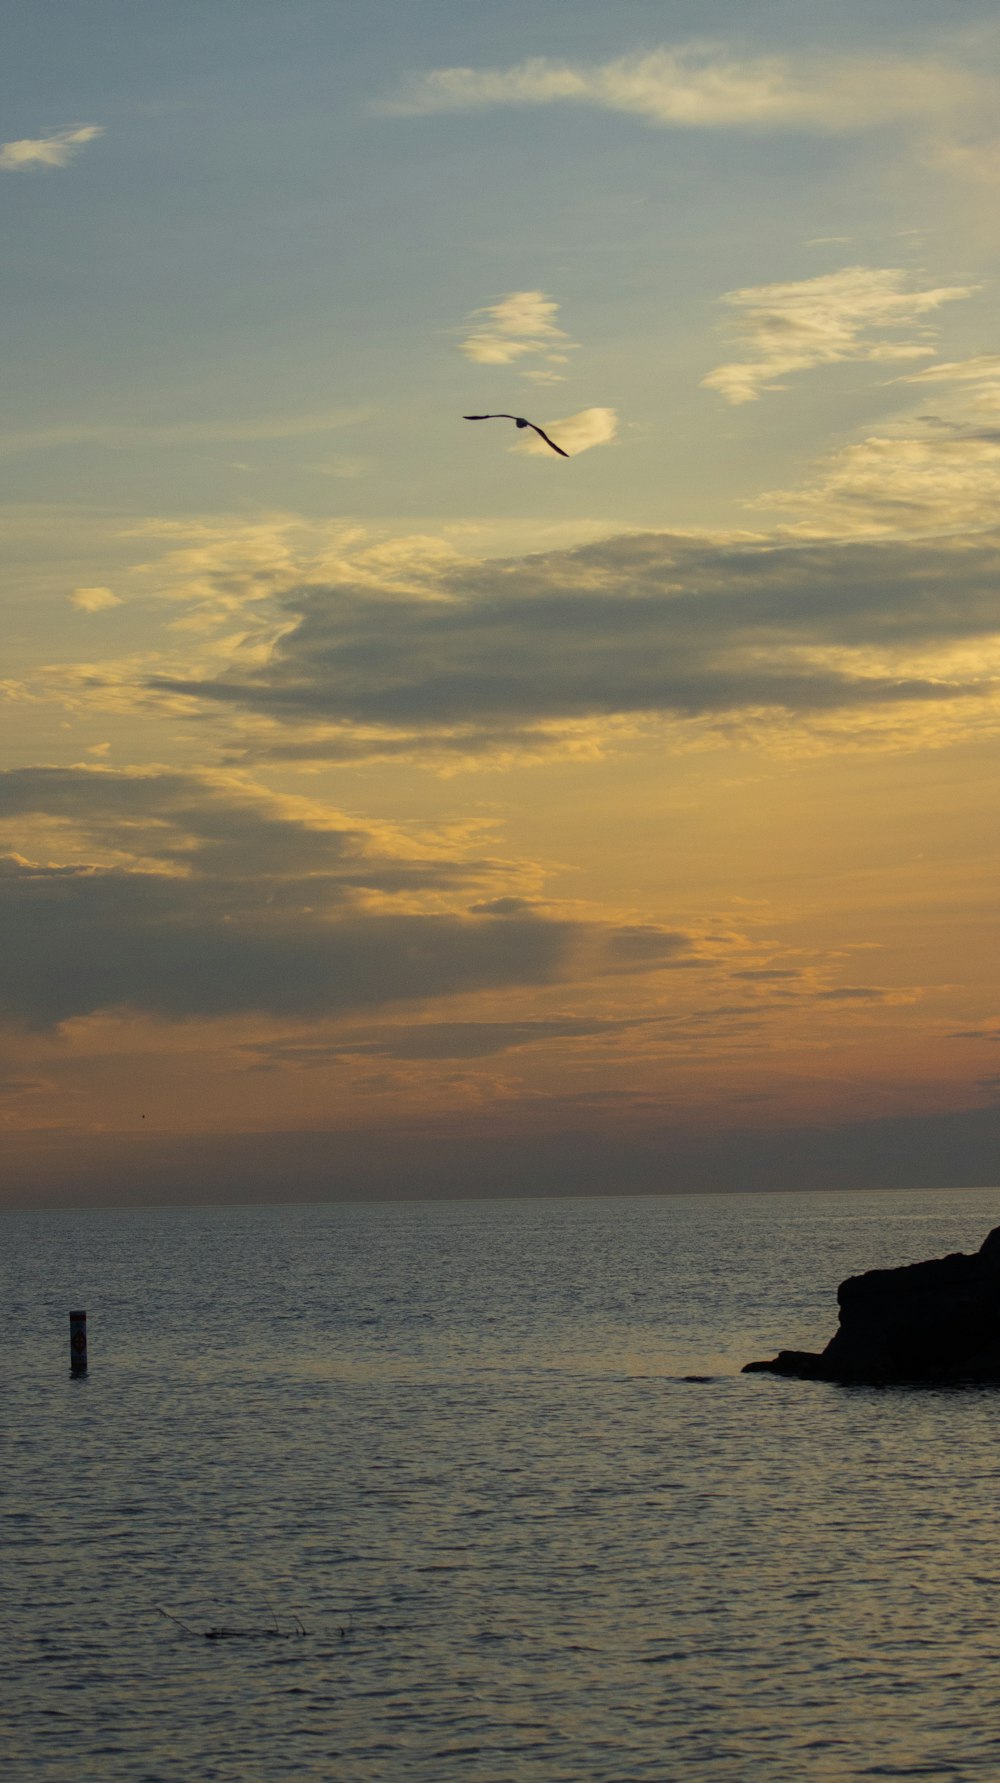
point(78, 1343)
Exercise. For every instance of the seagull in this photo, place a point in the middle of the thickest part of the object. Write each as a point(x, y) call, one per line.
point(519, 421)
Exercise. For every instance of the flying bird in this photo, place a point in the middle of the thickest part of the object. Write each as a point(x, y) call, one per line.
point(519, 421)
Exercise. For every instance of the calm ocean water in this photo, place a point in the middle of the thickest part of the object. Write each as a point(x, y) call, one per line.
point(461, 1433)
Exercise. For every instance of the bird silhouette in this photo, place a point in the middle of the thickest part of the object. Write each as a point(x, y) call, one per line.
point(519, 421)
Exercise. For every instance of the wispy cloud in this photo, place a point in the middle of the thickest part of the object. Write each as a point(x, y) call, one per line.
point(344, 466)
point(699, 87)
point(929, 472)
point(123, 435)
point(977, 380)
point(969, 149)
point(94, 600)
point(791, 327)
point(518, 325)
point(56, 149)
point(438, 1040)
point(928, 483)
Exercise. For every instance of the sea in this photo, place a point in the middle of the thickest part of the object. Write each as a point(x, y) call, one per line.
point(477, 1490)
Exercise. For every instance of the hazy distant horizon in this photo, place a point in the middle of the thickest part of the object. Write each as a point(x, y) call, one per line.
point(86, 1170)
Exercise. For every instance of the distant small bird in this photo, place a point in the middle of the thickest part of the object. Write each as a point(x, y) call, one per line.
point(519, 421)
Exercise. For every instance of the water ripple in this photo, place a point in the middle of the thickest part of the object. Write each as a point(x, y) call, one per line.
point(464, 1445)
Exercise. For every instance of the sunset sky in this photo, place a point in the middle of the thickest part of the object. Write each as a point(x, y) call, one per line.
point(391, 805)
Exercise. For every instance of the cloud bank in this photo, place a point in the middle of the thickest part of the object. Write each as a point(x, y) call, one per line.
point(185, 896)
point(648, 624)
point(574, 1155)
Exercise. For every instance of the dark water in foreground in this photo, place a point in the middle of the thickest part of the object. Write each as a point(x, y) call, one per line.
point(465, 1426)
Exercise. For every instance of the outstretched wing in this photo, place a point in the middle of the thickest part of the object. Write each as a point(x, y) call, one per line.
point(549, 442)
point(521, 423)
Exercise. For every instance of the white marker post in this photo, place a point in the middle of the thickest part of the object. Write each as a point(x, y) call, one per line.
point(78, 1343)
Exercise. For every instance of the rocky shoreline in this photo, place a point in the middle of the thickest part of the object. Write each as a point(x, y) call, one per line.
point(932, 1323)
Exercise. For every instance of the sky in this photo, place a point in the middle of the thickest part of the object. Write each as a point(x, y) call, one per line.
point(391, 806)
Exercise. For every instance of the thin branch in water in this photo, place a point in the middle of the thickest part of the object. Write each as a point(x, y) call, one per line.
point(222, 1632)
point(176, 1619)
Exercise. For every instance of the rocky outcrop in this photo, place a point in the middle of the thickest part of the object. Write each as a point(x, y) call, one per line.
point(933, 1322)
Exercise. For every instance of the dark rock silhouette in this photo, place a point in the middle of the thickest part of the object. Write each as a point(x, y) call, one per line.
point(933, 1322)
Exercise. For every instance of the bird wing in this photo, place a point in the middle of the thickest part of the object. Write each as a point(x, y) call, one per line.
point(521, 423)
point(549, 442)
